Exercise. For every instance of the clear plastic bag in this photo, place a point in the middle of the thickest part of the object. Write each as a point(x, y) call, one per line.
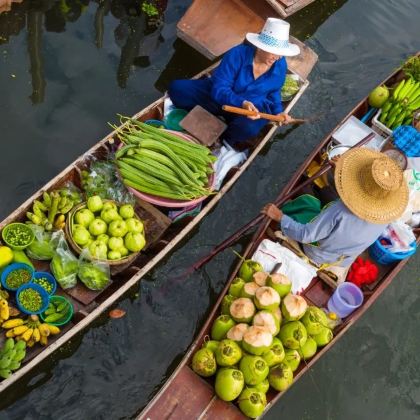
point(64, 264)
point(41, 248)
point(102, 180)
point(94, 274)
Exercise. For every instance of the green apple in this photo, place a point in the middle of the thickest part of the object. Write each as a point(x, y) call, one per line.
point(123, 251)
point(103, 237)
point(109, 215)
point(115, 243)
point(84, 217)
point(97, 227)
point(134, 225)
point(109, 205)
point(98, 250)
point(126, 211)
point(134, 242)
point(114, 255)
point(117, 228)
point(95, 203)
point(81, 235)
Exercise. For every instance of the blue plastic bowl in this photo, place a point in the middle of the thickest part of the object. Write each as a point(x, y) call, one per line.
point(383, 256)
point(13, 267)
point(50, 278)
point(44, 296)
point(156, 123)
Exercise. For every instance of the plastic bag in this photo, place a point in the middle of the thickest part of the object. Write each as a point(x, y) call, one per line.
point(94, 274)
point(102, 180)
point(64, 264)
point(399, 237)
point(41, 248)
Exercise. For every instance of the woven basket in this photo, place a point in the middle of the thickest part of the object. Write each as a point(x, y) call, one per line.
point(116, 266)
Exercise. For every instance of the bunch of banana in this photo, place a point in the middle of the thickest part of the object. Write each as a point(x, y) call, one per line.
point(30, 330)
point(399, 108)
point(50, 212)
point(11, 356)
point(4, 310)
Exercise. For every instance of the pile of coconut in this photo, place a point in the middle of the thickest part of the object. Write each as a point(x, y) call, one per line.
point(260, 338)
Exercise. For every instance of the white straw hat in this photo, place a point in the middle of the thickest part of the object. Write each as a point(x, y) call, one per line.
point(274, 38)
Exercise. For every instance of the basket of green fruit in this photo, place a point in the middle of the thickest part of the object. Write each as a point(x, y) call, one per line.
point(290, 87)
point(111, 232)
point(59, 311)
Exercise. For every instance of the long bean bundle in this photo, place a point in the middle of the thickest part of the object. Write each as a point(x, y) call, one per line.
point(156, 162)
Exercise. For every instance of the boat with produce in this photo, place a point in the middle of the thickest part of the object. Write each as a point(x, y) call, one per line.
point(260, 338)
point(74, 248)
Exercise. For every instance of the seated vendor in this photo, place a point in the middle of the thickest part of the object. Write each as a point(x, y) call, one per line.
point(372, 194)
point(249, 76)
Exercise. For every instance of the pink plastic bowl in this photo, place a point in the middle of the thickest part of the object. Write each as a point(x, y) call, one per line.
point(168, 202)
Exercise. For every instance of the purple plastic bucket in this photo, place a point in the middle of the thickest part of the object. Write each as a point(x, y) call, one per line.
point(346, 298)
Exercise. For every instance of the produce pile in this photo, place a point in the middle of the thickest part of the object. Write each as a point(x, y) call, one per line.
point(107, 230)
point(156, 162)
point(290, 88)
point(11, 355)
point(262, 335)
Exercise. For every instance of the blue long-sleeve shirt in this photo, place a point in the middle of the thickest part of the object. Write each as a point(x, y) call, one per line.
point(340, 235)
point(233, 81)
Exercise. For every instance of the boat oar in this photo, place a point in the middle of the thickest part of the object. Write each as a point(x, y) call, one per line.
point(280, 200)
point(271, 117)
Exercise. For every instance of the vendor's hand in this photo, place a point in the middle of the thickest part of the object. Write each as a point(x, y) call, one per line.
point(272, 211)
point(287, 119)
point(251, 107)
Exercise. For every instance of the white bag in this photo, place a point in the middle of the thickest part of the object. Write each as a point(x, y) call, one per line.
point(300, 273)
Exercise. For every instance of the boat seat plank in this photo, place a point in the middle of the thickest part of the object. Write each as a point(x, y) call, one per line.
point(218, 409)
point(185, 398)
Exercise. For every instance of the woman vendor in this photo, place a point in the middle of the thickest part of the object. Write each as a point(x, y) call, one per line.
point(249, 76)
point(372, 193)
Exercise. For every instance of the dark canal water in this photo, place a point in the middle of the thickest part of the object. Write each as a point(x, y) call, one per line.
point(66, 68)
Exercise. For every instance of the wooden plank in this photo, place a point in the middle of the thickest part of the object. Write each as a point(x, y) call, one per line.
point(218, 409)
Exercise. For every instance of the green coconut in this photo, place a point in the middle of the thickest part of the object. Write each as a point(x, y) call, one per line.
point(267, 319)
point(211, 345)
point(292, 358)
point(275, 354)
point(314, 319)
point(257, 340)
point(309, 349)
point(280, 283)
point(277, 314)
point(252, 402)
point(262, 386)
point(293, 307)
point(266, 298)
point(249, 290)
point(204, 363)
point(260, 277)
point(324, 337)
point(248, 268)
point(226, 302)
point(254, 369)
point(280, 376)
point(236, 287)
point(228, 353)
point(378, 96)
point(242, 310)
point(229, 383)
point(237, 332)
point(221, 325)
point(293, 335)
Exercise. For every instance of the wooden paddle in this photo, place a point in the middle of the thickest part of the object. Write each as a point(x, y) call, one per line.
point(280, 200)
point(271, 117)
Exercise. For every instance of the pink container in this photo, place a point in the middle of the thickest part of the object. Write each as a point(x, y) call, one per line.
point(167, 202)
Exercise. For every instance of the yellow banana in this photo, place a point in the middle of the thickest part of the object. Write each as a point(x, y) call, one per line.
point(27, 334)
point(10, 333)
point(12, 323)
point(30, 343)
point(44, 330)
point(20, 329)
point(53, 329)
point(4, 311)
point(43, 340)
point(36, 336)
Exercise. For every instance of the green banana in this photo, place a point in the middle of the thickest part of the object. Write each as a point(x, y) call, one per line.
point(387, 106)
point(395, 95)
point(47, 199)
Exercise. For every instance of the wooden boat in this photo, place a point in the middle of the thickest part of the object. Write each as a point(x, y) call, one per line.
point(188, 396)
point(214, 27)
point(162, 235)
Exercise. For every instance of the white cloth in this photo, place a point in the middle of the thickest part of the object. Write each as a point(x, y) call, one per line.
point(227, 158)
point(269, 253)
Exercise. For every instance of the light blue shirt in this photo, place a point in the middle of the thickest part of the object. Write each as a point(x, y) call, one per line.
point(340, 235)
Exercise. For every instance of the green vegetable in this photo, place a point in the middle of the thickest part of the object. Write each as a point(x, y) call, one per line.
point(16, 278)
point(93, 276)
point(64, 267)
point(412, 68)
point(44, 283)
point(20, 257)
point(30, 299)
point(18, 234)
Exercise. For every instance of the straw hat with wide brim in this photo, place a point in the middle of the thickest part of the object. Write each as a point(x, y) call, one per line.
point(371, 185)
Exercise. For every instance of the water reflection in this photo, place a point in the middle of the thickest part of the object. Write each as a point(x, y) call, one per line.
point(138, 32)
